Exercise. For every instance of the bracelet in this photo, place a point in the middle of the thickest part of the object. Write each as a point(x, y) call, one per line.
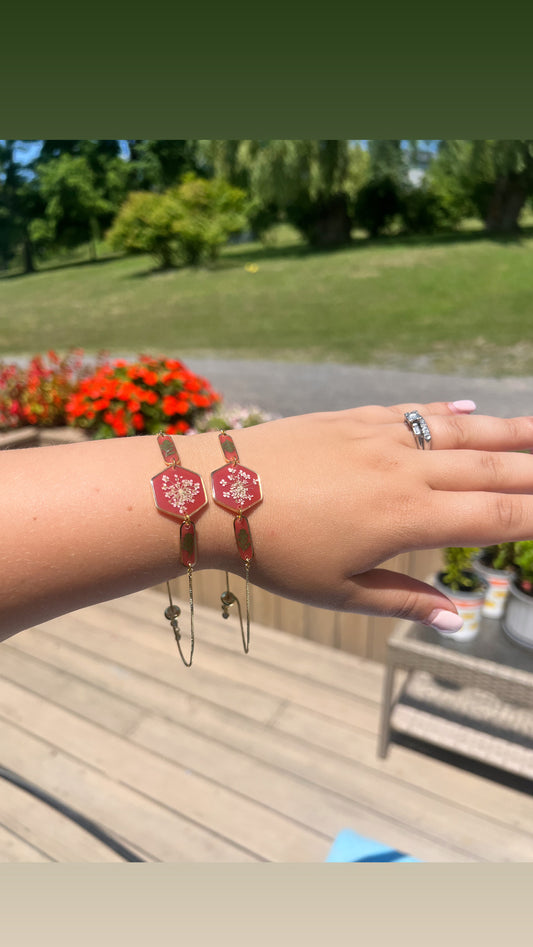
point(179, 493)
point(237, 489)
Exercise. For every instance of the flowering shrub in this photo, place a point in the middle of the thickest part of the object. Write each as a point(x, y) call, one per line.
point(37, 394)
point(115, 398)
point(49, 384)
point(143, 397)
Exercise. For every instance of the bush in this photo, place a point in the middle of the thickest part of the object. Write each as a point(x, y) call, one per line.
point(425, 210)
point(378, 202)
point(142, 397)
point(146, 224)
point(187, 224)
point(38, 394)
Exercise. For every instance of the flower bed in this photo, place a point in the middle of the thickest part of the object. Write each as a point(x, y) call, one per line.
point(143, 397)
point(112, 398)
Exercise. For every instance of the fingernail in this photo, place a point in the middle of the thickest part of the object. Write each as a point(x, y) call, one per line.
point(462, 407)
point(444, 621)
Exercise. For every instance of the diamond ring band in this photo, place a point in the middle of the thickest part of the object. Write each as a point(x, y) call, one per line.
point(419, 429)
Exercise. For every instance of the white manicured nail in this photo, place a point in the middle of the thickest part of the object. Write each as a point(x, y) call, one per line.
point(444, 621)
point(462, 407)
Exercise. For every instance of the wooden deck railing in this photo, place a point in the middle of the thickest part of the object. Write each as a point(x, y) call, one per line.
point(362, 635)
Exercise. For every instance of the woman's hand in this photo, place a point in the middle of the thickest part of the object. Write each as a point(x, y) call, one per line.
point(345, 491)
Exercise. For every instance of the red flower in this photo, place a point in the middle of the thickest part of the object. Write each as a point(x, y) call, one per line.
point(122, 398)
point(171, 406)
point(201, 401)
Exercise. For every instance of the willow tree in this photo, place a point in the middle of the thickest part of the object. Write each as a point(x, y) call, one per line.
point(309, 183)
point(494, 175)
point(502, 173)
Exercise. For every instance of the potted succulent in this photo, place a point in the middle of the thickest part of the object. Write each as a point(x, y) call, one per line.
point(464, 587)
point(517, 621)
point(495, 565)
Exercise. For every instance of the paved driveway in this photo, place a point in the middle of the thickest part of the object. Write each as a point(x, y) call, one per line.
point(287, 388)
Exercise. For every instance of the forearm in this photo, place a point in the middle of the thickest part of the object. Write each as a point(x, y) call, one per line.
point(79, 525)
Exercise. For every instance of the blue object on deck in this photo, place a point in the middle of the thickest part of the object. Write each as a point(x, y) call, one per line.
point(351, 847)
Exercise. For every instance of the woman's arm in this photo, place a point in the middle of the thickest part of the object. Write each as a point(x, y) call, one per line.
point(343, 492)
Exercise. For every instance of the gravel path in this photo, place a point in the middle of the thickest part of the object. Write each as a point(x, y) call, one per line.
point(287, 388)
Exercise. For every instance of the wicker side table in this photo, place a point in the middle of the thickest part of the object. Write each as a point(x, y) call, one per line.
point(475, 699)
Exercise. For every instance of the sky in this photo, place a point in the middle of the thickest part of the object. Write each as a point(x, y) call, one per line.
point(29, 151)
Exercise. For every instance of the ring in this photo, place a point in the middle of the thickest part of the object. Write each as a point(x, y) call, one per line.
point(418, 427)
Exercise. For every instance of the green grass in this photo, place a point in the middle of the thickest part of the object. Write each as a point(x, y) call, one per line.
point(462, 303)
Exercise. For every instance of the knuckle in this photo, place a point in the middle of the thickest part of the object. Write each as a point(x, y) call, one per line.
point(510, 514)
point(458, 431)
point(408, 609)
point(494, 467)
point(515, 428)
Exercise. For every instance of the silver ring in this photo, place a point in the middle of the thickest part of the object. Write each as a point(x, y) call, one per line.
point(419, 429)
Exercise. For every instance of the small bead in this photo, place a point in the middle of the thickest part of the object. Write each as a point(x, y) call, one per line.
point(172, 611)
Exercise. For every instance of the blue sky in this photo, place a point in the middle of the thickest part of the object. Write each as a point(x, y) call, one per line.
point(29, 151)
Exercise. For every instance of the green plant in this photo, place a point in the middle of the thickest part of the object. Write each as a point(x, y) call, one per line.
point(523, 563)
point(209, 212)
point(377, 204)
point(146, 224)
point(426, 210)
point(499, 556)
point(458, 572)
point(187, 224)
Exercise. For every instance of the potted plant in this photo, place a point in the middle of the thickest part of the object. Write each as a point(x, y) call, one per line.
point(517, 621)
point(464, 587)
point(495, 565)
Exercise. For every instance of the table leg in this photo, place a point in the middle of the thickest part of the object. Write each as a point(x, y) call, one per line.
point(384, 729)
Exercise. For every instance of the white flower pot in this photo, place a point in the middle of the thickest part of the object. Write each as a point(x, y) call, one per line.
point(498, 582)
point(517, 621)
point(469, 606)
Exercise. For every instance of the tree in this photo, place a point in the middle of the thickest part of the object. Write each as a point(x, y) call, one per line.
point(493, 178)
point(388, 161)
point(81, 192)
point(502, 174)
point(380, 199)
point(187, 224)
point(19, 203)
point(306, 181)
point(156, 165)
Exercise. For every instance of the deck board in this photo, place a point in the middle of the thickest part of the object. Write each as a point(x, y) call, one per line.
point(264, 757)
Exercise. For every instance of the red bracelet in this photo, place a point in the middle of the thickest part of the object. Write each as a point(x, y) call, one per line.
point(238, 490)
point(180, 493)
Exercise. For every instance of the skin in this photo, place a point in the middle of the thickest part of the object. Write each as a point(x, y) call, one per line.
point(343, 492)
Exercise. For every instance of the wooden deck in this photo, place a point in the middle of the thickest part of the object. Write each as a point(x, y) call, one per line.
point(264, 757)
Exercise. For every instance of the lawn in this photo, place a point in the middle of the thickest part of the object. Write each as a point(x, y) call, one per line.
point(443, 304)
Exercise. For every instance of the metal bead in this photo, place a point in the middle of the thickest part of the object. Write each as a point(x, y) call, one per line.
point(172, 612)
